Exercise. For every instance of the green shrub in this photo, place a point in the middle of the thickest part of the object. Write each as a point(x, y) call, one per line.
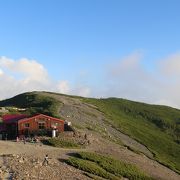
point(90, 167)
point(63, 143)
point(116, 167)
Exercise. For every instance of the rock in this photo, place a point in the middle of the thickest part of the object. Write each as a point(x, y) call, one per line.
point(3, 168)
point(21, 160)
point(34, 177)
point(6, 171)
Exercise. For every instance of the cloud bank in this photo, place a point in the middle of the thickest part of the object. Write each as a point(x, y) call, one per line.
point(17, 76)
point(125, 78)
point(128, 78)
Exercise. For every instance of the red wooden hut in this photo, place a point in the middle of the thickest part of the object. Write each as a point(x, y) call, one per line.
point(18, 125)
point(39, 123)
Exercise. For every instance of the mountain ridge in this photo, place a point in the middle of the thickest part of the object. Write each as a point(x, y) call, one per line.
point(156, 127)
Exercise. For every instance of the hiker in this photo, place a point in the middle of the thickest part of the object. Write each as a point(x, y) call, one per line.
point(24, 140)
point(85, 136)
point(17, 139)
point(46, 160)
point(37, 139)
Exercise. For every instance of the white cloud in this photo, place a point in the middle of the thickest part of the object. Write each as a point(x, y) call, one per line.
point(171, 65)
point(82, 91)
point(128, 78)
point(17, 76)
point(21, 75)
point(128, 63)
point(79, 90)
point(1, 72)
point(169, 72)
point(29, 69)
point(4, 62)
point(63, 87)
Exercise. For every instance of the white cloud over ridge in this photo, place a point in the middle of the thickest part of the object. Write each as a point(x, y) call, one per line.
point(128, 63)
point(17, 76)
point(130, 79)
point(63, 87)
point(1, 72)
point(171, 65)
point(126, 78)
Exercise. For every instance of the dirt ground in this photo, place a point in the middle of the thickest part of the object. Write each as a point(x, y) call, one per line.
point(24, 161)
point(20, 161)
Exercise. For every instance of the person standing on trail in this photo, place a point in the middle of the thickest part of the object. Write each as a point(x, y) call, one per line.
point(85, 136)
point(46, 160)
point(17, 139)
point(24, 140)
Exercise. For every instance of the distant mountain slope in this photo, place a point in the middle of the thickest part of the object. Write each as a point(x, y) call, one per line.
point(34, 102)
point(157, 127)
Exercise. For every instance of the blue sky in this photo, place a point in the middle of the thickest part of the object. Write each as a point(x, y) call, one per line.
point(81, 41)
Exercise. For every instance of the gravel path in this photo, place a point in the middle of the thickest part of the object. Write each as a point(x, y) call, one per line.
point(87, 115)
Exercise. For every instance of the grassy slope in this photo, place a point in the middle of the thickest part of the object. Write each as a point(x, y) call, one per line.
point(105, 166)
point(157, 127)
point(154, 126)
point(34, 103)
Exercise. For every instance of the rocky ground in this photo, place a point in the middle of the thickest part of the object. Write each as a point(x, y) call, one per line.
point(24, 162)
point(20, 161)
point(31, 167)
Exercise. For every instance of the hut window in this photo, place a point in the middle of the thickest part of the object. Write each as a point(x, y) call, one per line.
point(26, 125)
point(41, 125)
